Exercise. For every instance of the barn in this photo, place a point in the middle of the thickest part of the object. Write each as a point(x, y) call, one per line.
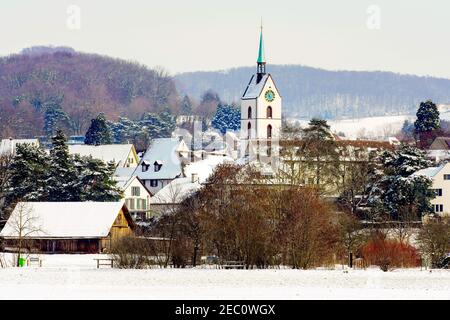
point(66, 227)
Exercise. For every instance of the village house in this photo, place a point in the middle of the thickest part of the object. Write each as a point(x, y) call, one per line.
point(9, 146)
point(66, 227)
point(439, 150)
point(441, 185)
point(136, 196)
point(161, 163)
point(123, 155)
point(197, 173)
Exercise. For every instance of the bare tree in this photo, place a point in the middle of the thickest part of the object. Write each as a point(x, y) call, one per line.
point(351, 234)
point(434, 239)
point(21, 225)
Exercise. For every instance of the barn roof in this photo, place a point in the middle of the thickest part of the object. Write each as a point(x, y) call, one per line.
point(63, 219)
point(118, 153)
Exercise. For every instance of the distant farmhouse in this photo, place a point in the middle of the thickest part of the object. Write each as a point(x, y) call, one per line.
point(161, 163)
point(123, 155)
point(67, 227)
point(136, 195)
point(441, 186)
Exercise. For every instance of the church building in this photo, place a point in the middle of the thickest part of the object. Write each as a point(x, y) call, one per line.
point(260, 111)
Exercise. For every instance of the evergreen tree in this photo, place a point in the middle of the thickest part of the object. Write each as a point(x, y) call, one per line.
point(95, 179)
point(427, 117)
point(98, 132)
point(186, 106)
point(319, 130)
point(399, 191)
point(319, 152)
point(28, 173)
point(227, 117)
point(54, 115)
point(62, 180)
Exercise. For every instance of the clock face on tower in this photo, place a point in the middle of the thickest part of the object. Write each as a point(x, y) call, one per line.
point(269, 95)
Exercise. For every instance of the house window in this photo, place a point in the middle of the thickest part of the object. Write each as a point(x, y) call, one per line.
point(438, 192)
point(153, 183)
point(438, 208)
point(135, 191)
point(446, 176)
point(249, 130)
point(249, 113)
point(138, 204)
point(269, 112)
point(130, 203)
point(269, 131)
point(145, 167)
point(157, 165)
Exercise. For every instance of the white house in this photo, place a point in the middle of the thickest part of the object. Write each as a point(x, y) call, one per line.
point(162, 163)
point(9, 146)
point(179, 189)
point(123, 155)
point(136, 195)
point(441, 185)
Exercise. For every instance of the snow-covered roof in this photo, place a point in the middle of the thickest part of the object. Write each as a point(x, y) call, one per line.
point(254, 89)
point(429, 172)
point(179, 189)
point(107, 152)
point(63, 219)
point(164, 151)
point(8, 146)
point(125, 172)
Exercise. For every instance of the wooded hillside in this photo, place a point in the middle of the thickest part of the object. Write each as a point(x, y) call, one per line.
point(43, 89)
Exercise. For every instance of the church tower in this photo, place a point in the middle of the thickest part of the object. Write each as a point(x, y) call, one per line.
point(260, 110)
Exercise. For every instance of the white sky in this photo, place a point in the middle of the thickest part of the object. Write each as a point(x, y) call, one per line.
point(190, 35)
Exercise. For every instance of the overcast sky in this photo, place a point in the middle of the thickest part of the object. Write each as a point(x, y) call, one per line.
point(188, 35)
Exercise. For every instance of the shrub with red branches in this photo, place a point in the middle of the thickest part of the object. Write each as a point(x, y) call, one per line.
point(389, 254)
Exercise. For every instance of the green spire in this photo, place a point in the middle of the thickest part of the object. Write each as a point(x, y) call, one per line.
point(261, 58)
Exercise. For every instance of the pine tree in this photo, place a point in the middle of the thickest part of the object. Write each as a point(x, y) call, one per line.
point(28, 173)
point(319, 152)
point(227, 117)
point(399, 192)
point(98, 132)
point(62, 180)
point(96, 180)
point(427, 117)
point(186, 106)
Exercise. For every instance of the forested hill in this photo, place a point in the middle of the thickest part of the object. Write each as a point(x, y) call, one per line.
point(42, 88)
point(309, 92)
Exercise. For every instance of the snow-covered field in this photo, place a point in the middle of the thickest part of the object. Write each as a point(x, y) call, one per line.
point(76, 277)
point(371, 127)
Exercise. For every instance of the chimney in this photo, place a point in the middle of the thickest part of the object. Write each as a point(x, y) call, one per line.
point(194, 177)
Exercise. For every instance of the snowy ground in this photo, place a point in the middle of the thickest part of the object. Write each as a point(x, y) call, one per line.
point(374, 127)
point(76, 277)
point(370, 127)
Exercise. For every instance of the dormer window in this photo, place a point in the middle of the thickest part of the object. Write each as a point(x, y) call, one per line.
point(145, 166)
point(157, 165)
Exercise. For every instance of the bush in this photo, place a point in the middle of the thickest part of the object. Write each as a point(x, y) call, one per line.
point(131, 253)
point(388, 254)
point(434, 240)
